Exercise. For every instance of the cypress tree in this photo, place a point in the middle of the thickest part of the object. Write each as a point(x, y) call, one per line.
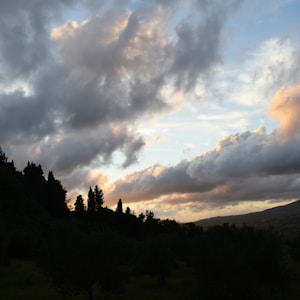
point(99, 198)
point(91, 201)
point(120, 207)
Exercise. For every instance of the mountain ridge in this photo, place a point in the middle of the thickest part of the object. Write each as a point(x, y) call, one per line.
point(284, 218)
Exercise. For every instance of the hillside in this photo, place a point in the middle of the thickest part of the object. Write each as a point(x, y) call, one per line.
point(285, 219)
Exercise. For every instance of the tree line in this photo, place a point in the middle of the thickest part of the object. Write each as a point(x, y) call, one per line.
point(94, 247)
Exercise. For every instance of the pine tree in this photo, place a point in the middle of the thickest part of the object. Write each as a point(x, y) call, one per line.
point(91, 201)
point(99, 198)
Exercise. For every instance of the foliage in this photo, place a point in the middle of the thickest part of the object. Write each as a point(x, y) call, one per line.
point(157, 257)
point(237, 263)
point(77, 259)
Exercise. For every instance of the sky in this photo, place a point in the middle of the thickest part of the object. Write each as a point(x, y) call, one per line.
point(188, 108)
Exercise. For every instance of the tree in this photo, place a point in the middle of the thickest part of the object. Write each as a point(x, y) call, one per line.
point(56, 197)
point(35, 183)
point(152, 224)
point(91, 201)
point(99, 198)
point(235, 263)
point(157, 259)
point(4, 256)
point(127, 211)
point(3, 158)
point(78, 259)
point(79, 205)
point(141, 217)
point(15, 196)
point(120, 207)
point(149, 216)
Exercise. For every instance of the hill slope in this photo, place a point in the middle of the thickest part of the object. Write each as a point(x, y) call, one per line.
point(285, 218)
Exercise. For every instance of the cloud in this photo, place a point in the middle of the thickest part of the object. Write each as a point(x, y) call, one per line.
point(69, 151)
point(91, 83)
point(271, 65)
point(251, 166)
point(286, 108)
point(76, 186)
point(131, 150)
point(197, 51)
point(23, 36)
point(64, 30)
point(77, 80)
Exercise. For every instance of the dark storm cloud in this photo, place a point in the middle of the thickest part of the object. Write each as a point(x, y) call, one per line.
point(247, 166)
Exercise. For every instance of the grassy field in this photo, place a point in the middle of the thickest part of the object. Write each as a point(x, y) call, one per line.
point(23, 280)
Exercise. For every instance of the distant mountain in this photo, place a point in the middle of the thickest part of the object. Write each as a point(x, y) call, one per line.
point(285, 219)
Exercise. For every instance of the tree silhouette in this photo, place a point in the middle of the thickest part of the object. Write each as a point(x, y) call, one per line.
point(99, 199)
point(237, 263)
point(91, 201)
point(4, 260)
point(79, 205)
point(78, 259)
point(3, 158)
point(149, 216)
point(56, 196)
point(35, 183)
point(14, 199)
point(141, 217)
point(157, 259)
point(120, 207)
point(152, 224)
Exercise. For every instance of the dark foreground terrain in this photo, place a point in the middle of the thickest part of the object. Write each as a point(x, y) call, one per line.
point(23, 280)
point(93, 253)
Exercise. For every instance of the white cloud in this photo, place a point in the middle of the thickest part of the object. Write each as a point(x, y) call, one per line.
point(272, 65)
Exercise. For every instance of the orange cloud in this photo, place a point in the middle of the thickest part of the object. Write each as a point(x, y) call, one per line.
point(286, 108)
